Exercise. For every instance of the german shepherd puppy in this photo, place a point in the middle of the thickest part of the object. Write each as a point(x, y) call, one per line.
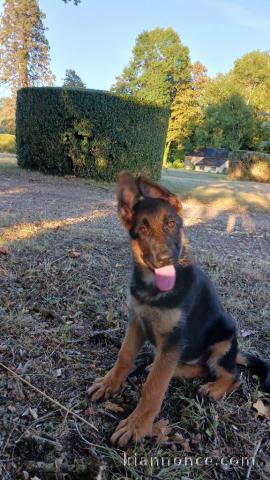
point(175, 306)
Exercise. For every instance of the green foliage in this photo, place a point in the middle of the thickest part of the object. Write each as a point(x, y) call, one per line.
point(176, 153)
point(230, 124)
point(72, 80)
point(250, 78)
point(186, 110)
point(178, 164)
point(250, 166)
point(24, 49)
point(89, 133)
point(7, 143)
point(160, 62)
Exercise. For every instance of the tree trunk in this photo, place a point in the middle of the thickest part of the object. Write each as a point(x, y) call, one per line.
point(166, 154)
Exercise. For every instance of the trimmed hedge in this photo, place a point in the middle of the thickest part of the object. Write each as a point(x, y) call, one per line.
point(248, 165)
point(7, 143)
point(88, 133)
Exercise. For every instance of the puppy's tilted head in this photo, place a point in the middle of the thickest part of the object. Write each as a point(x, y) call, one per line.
point(153, 217)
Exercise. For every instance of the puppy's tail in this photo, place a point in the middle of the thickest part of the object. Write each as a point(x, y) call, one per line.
point(257, 365)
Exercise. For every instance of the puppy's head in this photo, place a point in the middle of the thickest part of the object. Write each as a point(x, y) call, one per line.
point(153, 217)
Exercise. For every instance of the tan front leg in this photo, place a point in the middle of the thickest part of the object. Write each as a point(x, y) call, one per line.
point(140, 422)
point(106, 386)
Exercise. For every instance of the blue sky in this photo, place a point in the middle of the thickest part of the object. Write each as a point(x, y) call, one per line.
point(96, 37)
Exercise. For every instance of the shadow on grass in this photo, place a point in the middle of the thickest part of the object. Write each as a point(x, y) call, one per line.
point(220, 195)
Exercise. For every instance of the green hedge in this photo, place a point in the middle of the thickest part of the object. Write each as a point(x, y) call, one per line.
point(7, 143)
point(88, 133)
point(249, 165)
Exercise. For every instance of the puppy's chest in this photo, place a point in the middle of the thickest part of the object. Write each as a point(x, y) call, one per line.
point(157, 324)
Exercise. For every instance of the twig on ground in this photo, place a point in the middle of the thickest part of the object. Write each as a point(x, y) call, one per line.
point(89, 444)
point(100, 333)
point(256, 449)
point(45, 395)
point(43, 441)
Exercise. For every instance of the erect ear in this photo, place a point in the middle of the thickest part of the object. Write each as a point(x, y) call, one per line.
point(127, 196)
point(153, 190)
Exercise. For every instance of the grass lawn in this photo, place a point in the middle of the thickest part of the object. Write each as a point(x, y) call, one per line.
point(217, 190)
point(7, 162)
point(63, 313)
point(7, 143)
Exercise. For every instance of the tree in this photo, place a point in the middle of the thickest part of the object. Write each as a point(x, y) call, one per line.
point(249, 77)
point(7, 115)
point(160, 62)
point(187, 109)
point(72, 80)
point(230, 124)
point(24, 49)
point(76, 2)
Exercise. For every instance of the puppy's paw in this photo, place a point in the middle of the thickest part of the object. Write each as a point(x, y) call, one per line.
point(135, 427)
point(217, 390)
point(103, 388)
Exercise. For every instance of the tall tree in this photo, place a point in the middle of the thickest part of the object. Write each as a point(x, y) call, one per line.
point(187, 109)
point(24, 49)
point(249, 77)
point(76, 2)
point(231, 124)
point(160, 62)
point(72, 80)
point(7, 115)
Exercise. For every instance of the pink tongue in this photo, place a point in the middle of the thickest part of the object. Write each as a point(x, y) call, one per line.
point(165, 278)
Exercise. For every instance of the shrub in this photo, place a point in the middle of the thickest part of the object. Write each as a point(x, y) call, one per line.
point(178, 164)
point(7, 143)
point(88, 133)
point(249, 165)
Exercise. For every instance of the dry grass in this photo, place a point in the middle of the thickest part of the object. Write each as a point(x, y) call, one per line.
point(216, 190)
point(63, 285)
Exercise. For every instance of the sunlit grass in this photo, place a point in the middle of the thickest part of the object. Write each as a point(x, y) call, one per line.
point(27, 230)
point(219, 193)
point(7, 162)
point(7, 143)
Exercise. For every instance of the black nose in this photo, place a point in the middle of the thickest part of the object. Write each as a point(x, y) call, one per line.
point(164, 259)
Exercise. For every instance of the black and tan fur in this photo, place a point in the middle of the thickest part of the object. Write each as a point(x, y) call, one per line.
point(192, 334)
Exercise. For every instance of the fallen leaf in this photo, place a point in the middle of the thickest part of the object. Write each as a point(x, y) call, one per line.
point(247, 333)
point(161, 430)
point(178, 438)
point(113, 407)
point(263, 410)
point(196, 438)
point(11, 408)
point(4, 250)
point(33, 412)
point(74, 253)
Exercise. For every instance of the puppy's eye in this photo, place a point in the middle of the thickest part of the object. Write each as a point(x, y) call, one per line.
point(143, 230)
point(171, 224)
